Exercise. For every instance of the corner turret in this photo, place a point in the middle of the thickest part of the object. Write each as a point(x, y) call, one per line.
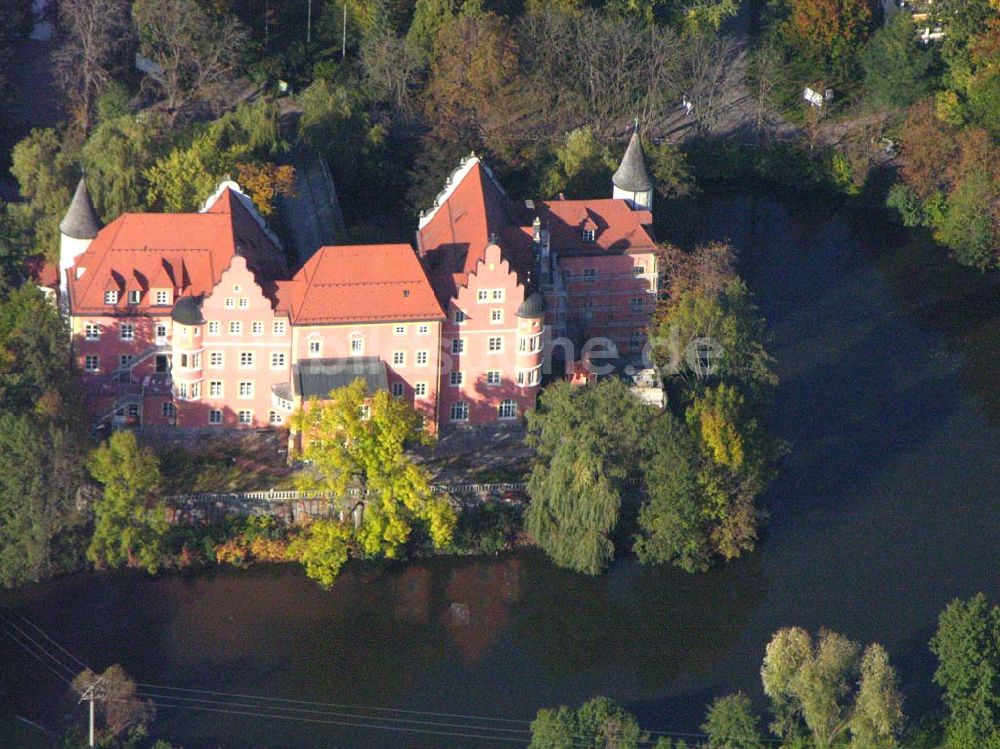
point(633, 182)
point(76, 231)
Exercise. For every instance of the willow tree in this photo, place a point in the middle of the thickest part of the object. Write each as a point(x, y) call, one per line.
point(356, 442)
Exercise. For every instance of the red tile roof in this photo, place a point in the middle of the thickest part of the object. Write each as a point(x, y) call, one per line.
point(360, 283)
point(186, 252)
point(618, 229)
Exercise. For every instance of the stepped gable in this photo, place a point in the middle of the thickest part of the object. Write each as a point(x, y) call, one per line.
point(359, 283)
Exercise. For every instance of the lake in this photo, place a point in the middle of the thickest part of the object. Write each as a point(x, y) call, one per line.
point(886, 508)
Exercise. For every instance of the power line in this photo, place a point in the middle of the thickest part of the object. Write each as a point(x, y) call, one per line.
point(42, 633)
point(38, 657)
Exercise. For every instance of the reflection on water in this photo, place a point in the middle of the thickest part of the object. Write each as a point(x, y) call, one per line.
point(884, 511)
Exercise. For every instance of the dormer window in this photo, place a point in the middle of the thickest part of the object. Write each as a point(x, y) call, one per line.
point(111, 297)
point(589, 235)
point(162, 297)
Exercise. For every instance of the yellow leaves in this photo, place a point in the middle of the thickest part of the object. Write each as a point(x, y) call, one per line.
point(322, 549)
point(441, 520)
point(263, 182)
point(715, 418)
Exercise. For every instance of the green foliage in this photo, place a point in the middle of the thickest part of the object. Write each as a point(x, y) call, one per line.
point(113, 103)
point(323, 548)
point(896, 64)
point(670, 168)
point(582, 169)
point(967, 645)
point(731, 724)
point(128, 525)
point(116, 157)
point(906, 204)
point(969, 226)
point(599, 722)
point(334, 124)
point(44, 172)
point(587, 441)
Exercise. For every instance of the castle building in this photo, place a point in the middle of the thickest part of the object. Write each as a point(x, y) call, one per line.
point(194, 319)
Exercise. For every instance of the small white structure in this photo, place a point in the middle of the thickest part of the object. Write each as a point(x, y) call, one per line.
point(813, 97)
point(646, 387)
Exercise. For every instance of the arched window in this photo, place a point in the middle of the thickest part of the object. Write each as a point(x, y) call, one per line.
point(507, 409)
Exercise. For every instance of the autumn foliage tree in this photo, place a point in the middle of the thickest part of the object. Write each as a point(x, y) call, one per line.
point(827, 32)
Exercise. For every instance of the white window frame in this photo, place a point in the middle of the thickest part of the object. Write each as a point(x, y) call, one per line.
point(126, 332)
point(214, 327)
point(92, 358)
point(111, 297)
point(357, 344)
point(134, 297)
point(247, 360)
point(399, 330)
point(244, 303)
point(278, 327)
point(420, 389)
point(494, 377)
point(230, 303)
point(497, 295)
point(215, 388)
point(168, 410)
point(458, 346)
point(92, 331)
point(245, 416)
point(235, 327)
point(397, 389)
point(212, 356)
point(215, 416)
point(423, 329)
point(278, 360)
point(399, 358)
point(422, 358)
point(589, 235)
point(456, 378)
point(496, 316)
point(162, 297)
point(257, 327)
point(273, 417)
point(460, 317)
point(483, 295)
point(494, 345)
point(459, 411)
point(314, 346)
point(245, 390)
point(507, 403)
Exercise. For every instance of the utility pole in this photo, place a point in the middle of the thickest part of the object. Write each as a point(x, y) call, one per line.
point(343, 44)
point(90, 694)
point(309, 21)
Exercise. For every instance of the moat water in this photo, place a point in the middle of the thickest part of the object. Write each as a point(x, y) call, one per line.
point(887, 507)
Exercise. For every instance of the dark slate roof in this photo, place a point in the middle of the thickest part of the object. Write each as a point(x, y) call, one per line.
point(533, 306)
point(317, 377)
point(632, 174)
point(187, 311)
point(80, 221)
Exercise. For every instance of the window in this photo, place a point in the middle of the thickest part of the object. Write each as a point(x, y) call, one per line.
point(507, 409)
point(398, 358)
point(134, 296)
point(497, 295)
point(125, 361)
point(215, 416)
point(397, 389)
point(495, 344)
point(111, 297)
point(182, 390)
point(357, 344)
point(639, 269)
point(162, 364)
point(420, 389)
point(273, 417)
point(244, 303)
point(422, 358)
point(399, 330)
point(161, 332)
point(215, 360)
point(92, 332)
point(246, 416)
point(235, 327)
point(458, 346)
point(315, 346)
point(162, 297)
point(460, 317)
point(637, 303)
point(460, 411)
point(277, 360)
point(493, 377)
point(214, 328)
point(127, 332)
point(496, 315)
point(195, 390)
point(482, 295)
point(455, 378)
point(237, 289)
point(246, 359)
point(133, 409)
point(91, 363)
point(533, 377)
point(522, 344)
point(635, 339)
point(423, 329)
point(278, 327)
point(589, 235)
point(215, 389)
point(168, 410)
point(366, 411)
point(589, 275)
point(520, 378)
point(257, 328)
point(246, 389)
point(230, 303)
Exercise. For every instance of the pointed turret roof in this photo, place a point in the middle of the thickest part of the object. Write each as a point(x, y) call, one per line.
point(80, 221)
point(632, 174)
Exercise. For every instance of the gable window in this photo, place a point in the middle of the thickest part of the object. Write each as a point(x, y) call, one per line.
point(493, 377)
point(496, 315)
point(235, 327)
point(246, 389)
point(639, 269)
point(244, 303)
point(230, 303)
point(357, 345)
point(589, 274)
point(215, 416)
point(420, 389)
point(257, 328)
point(214, 327)
point(497, 295)
point(458, 346)
point(127, 332)
point(246, 359)
point(482, 295)
point(399, 330)
point(460, 317)
point(215, 359)
point(422, 358)
point(507, 409)
point(134, 297)
point(92, 332)
point(399, 358)
point(246, 416)
point(460, 411)
point(162, 297)
point(91, 363)
point(423, 329)
point(495, 344)
point(278, 360)
point(455, 378)
point(111, 297)
point(589, 235)
point(397, 389)
point(278, 327)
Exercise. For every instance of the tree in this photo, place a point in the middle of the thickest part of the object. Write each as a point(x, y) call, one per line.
point(583, 166)
point(971, 225)
point(587, 441)
point(670, 169)
point(128, 524)
point(265, 182)
point(44, 171)
point(731, 724)
point(827, 32)
point(98, 34)
point(197, 52)
point(323, 548)
point(598, 724)
point(896, 65)
point(357, 440)
point(815, 683)
point(121, 705)
point(967, 646)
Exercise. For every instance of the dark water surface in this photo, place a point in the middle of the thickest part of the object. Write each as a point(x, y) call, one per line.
point(887, 508)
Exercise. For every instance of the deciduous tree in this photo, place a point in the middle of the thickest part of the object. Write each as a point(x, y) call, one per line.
point(323, 548)
point(598, 724)
point(121, 706)
point(828, 32)
point(731, 724)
